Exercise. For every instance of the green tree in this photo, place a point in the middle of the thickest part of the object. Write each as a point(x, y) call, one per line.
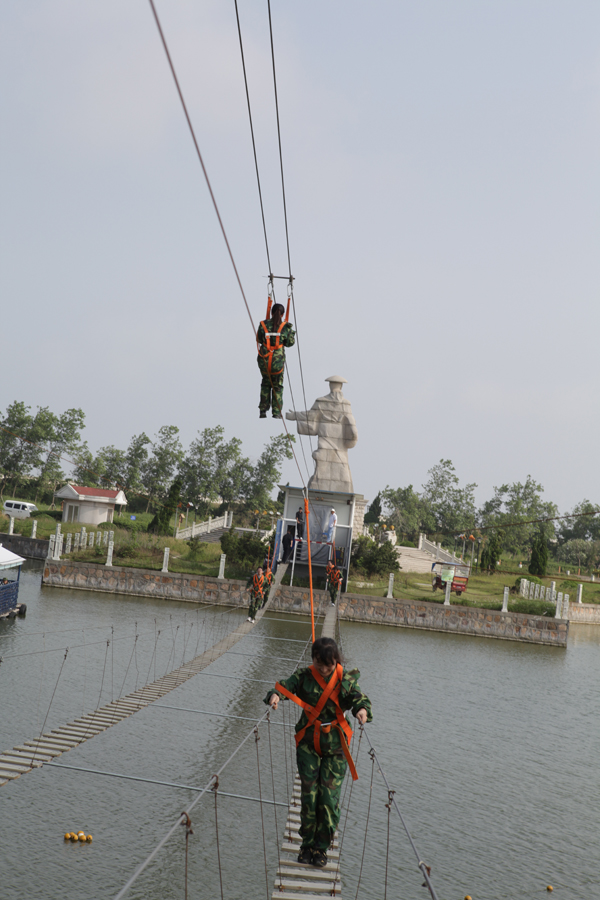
point(539, 555)
point(62, 434)
point(262, 477)
point(213, 468)
point(371, 558)
point(158, 471)
point(88, 470)
point(452, 507)
point(246, 550)
point(20, 451)
point(491, 550)
point(161, 523)
point(136, 457)
point(518, 506)
point(407, 511)
point(374, 511)
point(585, 526)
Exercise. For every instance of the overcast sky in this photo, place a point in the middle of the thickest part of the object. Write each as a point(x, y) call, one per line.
point(442, 173)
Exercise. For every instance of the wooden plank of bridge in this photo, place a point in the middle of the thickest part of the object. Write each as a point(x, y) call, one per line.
point(33, 754)
point(295, 881)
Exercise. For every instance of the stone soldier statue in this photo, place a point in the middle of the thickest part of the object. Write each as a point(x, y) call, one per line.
point(331, 419)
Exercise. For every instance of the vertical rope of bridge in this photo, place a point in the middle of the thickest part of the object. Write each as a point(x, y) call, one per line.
point(37, 715)
point(216, 789)
point(285, 749)
point(137, 668)
point(128, 665)
point(362, 861)
point(262, 816)
point(112, 663)
point(388, 806)
point(84, 673)
point(152, 658)
point(188, 830)
point(54, 691)
point(274, 803)
point(343, 834)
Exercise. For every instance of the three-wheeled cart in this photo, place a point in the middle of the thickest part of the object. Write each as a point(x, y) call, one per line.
point(456, 573)
point(10, 573)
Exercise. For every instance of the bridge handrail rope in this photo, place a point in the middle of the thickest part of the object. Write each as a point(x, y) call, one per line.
point(425, 869)
point(212, 783)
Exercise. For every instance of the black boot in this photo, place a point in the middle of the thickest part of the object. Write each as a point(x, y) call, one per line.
point(305, 856)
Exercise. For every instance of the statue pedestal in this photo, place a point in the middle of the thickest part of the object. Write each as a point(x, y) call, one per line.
point(350, 511)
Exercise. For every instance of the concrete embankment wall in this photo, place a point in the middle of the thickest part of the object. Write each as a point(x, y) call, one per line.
point(584, 613)
point(352, 607)
point(32, 548)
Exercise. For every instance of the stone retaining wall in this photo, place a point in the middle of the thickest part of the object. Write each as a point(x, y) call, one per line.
point(584, 613)
point(33, 548)
point(352, 607)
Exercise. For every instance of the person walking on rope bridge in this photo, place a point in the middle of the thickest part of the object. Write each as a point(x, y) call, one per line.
point(256, 584)
point(334, 578)
point(272, 337)
point(324, 690)
point(268, 580)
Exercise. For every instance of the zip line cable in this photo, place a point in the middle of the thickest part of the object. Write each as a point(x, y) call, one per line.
point(262, 209)
point(193, 134)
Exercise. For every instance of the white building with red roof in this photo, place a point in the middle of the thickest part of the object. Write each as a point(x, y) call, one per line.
point(90, 505)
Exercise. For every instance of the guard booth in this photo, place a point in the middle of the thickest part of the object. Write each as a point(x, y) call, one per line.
point(349, 509)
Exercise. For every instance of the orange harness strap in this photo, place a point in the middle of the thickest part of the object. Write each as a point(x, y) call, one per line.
point(331, 691)
point(257, 583)
point(267, 349)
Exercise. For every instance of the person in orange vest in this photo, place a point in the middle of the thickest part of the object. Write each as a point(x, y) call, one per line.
point(256, 584)
point(324, 690)
point(272, 337)
point(267, 584)
point(334, 578)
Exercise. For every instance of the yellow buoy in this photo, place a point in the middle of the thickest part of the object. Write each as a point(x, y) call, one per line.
point(468, 897)
point(68, 836)
point(549, 888)
point(89, 839)
point(82, 838)
point(79, 833)
point(73, 836)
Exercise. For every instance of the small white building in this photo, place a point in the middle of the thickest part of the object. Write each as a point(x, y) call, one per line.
point(89, 505)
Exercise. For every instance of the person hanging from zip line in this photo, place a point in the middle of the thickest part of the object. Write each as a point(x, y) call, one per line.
point(324, 690)
point(256, 584)
point(334, 579)
point(272, 337)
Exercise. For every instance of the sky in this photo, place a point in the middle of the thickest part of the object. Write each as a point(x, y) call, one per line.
point(442, 180)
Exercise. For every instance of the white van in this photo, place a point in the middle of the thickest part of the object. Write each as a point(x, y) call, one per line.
point(18, 509)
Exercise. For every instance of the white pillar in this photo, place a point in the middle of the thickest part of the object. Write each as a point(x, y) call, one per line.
point(111, 536)
point(565, 607)
point(553, 586)
point(523, 588)
point(69, 539)
point(110, 553)
point(34, 528)
point(51, 547)
point(58, 528)
point(559, 603)
point(536, 594)
point(448, 592)
point(105, 538)
point(222, 566)
point(76, 542)
point(390, 593)
point(165, 567)
point(11, 525)
point(579, 593)
point(505, 600)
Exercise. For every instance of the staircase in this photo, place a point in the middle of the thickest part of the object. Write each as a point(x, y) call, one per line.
point(419, 559)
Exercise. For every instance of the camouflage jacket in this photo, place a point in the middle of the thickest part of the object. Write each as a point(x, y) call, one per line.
point(254, 591)
point(306, 688)
point(288, 339)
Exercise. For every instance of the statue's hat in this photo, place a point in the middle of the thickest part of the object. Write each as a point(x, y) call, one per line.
point(337, 378)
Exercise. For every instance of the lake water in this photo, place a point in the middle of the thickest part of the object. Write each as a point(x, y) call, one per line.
point(490, 745)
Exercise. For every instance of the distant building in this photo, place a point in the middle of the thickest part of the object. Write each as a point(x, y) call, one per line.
point(89, 505)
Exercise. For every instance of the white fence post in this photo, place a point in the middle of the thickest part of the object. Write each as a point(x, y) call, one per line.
point(448, 592)
point(91, 543)
point(11, 525)
point(505, 600)
point(109, 555)
point(565, 607)
point(165, 567)
point(111, 536)
point(105, 538)
point(34, 528)
point(559, 603)
point(69, 539)
point(222, 566)
point(523, 587)
point(390, 593)
point(51, 547)
point(76, 542)
point(580, 593)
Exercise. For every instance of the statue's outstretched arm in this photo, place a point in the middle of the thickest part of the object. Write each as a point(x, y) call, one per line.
point(308, 422)
point(350, 431)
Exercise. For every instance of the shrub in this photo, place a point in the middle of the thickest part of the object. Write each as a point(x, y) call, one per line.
point(539, 555)
point(568, 587)
point(532, 607)
point(371, 558)
point(244, 549)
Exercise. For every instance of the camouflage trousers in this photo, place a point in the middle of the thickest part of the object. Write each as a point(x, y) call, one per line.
point(271, 393)
point(255, 604)
point(321, 780)
point(333, 589)
point(266, 596)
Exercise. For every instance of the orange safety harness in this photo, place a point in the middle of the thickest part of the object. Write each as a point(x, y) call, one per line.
point(333, 573)
point(331, 691)
point(257, 583)
point(272, 339)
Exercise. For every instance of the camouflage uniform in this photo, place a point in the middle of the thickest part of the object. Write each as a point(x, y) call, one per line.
point(256, 596)
point(271, 388)
point(322, 776)
point(334, 580)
